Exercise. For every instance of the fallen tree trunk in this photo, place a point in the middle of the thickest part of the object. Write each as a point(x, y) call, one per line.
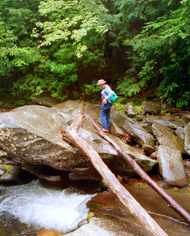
point(113, 183)
point(179, 209)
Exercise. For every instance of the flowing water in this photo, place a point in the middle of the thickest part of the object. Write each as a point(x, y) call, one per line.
point(42, 207)
point(106, 204)
point(25, 209)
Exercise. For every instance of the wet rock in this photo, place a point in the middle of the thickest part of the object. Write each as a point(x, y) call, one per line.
point(187, 138)
point(27, 147)
point(102, 227)
point(154, 155)
point(151, 107)
point(134, 129)
point(2, 154)
point(98, 143)
point(106, 204)
point(31, 135)
point(172, 122)
point(115, 129)
point(10, 173)
point(185, 115)
point(166, 136)
point(130, 110)
point(146, 162)
point(10, 226)
point(88, 173)
point(170, 155)
point(118, 121)
point(146, 139)
point(171, 166)
point(44, 101)
point(145, 107)
point(45, 173)
point(180, 132)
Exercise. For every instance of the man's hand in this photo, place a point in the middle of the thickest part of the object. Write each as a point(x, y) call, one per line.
point(104, 101)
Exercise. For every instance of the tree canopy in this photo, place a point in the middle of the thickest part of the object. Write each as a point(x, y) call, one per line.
point(61, 47)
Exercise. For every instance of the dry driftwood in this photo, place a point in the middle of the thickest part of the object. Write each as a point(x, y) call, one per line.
point(179, 209)
point(113, 183)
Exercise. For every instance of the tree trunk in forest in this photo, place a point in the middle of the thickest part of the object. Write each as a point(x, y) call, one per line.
point(179, 209)
point(113, 183)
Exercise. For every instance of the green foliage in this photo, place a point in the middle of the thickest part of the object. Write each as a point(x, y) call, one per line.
point(48, 43)
point(72, 37)
point(68, 22)
point(55, 46)
point(14, 58)
point(33, 86)
point(11, 56)
point(17, 51)
point(20, 17)
point(91, 90)
point(127, 87)
point(119, 106)
point(161, 53)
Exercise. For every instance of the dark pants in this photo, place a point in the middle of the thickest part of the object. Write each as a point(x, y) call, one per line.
point(105, 115)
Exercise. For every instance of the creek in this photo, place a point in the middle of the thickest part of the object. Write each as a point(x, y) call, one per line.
point(25, 209)
point(88, 209)
point(42, 207)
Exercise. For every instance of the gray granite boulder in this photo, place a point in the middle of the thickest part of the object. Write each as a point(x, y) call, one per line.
point(31, 135)
point(171, 166)
point(167, 137)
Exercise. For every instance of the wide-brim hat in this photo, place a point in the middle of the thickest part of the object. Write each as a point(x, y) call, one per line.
point(101, 82)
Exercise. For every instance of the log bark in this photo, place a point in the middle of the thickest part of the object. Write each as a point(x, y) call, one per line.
point(113, 183)
point(136, 167)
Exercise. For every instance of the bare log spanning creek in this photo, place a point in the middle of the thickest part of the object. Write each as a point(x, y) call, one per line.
point(61, 175)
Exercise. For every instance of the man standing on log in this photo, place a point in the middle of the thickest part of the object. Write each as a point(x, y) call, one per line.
point(107, 95)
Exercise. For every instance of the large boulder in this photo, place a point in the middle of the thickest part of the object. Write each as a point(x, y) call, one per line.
point(171, 166)
point(71, 110)
point(131, 126)
point(145, 107)
point(167, 137)
point(31, 135)
point(144, 161)
point(172, 122)
point(180, 132)
point(170, 155)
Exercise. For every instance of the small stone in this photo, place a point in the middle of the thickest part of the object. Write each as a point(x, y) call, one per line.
point(45, 232)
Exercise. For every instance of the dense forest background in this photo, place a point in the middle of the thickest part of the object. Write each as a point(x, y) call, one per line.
point(60, 48)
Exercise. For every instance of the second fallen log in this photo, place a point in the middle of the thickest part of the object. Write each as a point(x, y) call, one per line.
point(113, 183)
point(179, 209)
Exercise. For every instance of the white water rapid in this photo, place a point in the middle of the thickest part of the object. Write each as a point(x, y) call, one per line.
point(43, 207)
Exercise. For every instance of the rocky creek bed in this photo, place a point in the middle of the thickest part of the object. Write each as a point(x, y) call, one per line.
point(31, 147)
point(106, 216)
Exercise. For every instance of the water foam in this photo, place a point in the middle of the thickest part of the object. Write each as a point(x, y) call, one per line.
point(45, 208)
